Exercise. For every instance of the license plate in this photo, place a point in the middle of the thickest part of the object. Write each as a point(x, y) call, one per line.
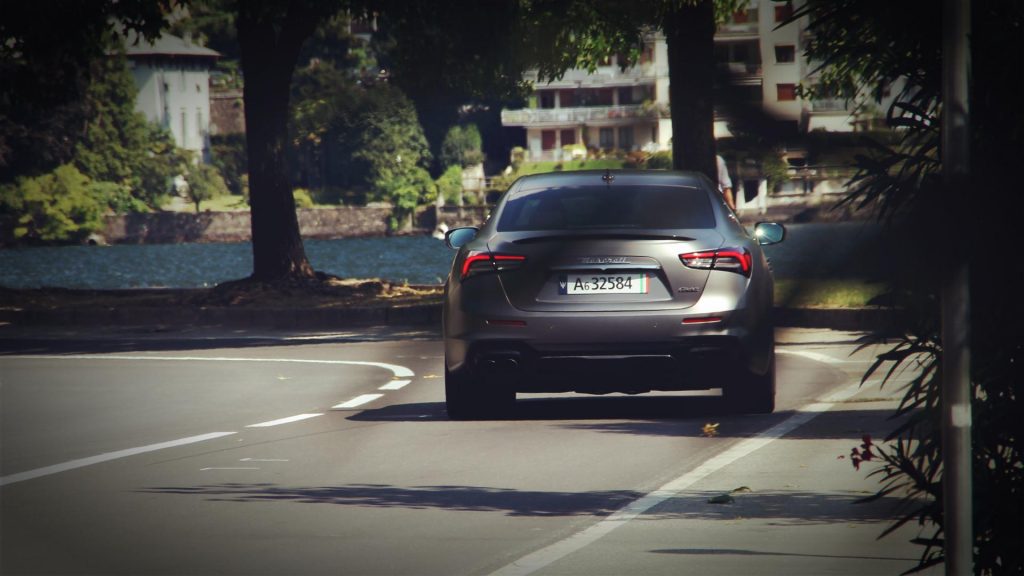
point(571, 284)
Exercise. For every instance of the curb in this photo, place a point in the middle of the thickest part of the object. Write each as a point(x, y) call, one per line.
point(851, 319)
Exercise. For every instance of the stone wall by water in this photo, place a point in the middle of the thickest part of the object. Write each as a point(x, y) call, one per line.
point(322, 223)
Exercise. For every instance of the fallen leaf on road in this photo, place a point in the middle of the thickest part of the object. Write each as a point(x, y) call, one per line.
point(710, 430)
point(429, 376)
point(741, 489)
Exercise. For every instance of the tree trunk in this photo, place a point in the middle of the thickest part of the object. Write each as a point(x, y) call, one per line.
point(690, 35)
point(270, 41)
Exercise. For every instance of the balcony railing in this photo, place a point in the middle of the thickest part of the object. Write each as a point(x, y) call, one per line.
point(553, 116)
point(829, 105)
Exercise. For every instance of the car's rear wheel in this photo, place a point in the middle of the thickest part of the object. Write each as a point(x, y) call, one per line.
point(470, 397)
point(753, 393)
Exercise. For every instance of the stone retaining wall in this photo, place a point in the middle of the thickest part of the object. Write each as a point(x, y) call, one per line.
point(340, 222)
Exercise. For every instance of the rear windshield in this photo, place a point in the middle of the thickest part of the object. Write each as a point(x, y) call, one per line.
point(582, 207)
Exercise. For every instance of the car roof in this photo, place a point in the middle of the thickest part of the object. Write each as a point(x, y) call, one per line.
point(619, 177)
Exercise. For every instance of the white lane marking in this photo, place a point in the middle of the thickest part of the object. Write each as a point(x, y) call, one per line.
point(395, 385)
point(226, 468)
point(357, 401)
point(82, 462)
point(263, 460)
point(398, 371)
point(280, 421)
point(550, 554)
point(822, 357)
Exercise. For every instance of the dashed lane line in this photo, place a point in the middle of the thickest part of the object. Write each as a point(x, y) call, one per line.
point(280, 421)
point(395, 384)
point(82, 462)
point(357, 401)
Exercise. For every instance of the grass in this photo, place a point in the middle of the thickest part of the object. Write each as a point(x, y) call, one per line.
point(807, 293)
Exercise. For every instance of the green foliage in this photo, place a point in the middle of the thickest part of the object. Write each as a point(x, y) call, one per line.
point(861, 50)
point(360, 138)
point(462, 147)
point(47, 53)
point(449, 185)
point(660, 161)
point(406, 190)
point(118, 144)
point(774, 169)
point(204, 183)
point(303, 198)
point(229, 156)
point(56, 207)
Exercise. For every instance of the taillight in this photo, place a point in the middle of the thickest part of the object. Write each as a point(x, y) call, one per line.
point(481, 262)
point(738, 260)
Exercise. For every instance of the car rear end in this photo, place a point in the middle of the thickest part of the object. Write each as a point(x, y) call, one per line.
point(607, 282)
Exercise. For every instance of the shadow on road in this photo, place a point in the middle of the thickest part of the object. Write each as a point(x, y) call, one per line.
point(462, 498)
point(780, 508)
point(679, 417)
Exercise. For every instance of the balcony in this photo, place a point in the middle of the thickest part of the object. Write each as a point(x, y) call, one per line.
point(535, 117)
point(603, 76)
point(829, 105)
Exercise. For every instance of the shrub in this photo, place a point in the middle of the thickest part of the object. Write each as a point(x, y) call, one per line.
point(55, 207)
point(302, 198)
point(204, 183)
point(517, 157)
point(660, 161)
point(449, 185)
point(462, 147)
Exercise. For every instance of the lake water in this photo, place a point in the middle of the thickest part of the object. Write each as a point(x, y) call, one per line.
point(810, 250)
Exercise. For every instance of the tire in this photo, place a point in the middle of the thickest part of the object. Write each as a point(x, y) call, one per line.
point(468, 397)
point(753, 393)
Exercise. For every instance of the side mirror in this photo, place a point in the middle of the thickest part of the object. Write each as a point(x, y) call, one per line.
point(458, 237)
point(769, 233)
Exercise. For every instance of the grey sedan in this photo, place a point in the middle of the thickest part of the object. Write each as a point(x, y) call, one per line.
point(609, 281)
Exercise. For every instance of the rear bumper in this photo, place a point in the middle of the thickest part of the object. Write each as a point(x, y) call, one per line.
point(602, 353)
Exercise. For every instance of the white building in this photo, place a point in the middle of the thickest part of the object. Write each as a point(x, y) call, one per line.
point(173, 78)
point(629, 110)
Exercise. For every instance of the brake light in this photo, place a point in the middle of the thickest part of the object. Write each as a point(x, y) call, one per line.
point(481, 262)
point(738, 260)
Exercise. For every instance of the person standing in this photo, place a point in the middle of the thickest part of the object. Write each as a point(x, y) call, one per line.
point(725, 183)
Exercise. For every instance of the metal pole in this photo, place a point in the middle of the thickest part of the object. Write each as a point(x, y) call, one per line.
point(956, 352)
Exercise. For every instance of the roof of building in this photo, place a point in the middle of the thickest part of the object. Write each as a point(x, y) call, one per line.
point(166, 45)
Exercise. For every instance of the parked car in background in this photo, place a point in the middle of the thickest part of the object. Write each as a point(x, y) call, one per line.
point(609, 281)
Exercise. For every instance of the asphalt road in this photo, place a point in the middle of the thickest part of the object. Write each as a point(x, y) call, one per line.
point(331, 454)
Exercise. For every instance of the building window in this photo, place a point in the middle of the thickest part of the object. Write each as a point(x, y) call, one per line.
point(785, 92)
point(607, 138)
point(783, 12)
point(565, 99)
point(547, 140)
point(199, 125)
point(568, 137)
point(546, 98)
point(626, 137)
point(785, 54)
point(182, 84)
